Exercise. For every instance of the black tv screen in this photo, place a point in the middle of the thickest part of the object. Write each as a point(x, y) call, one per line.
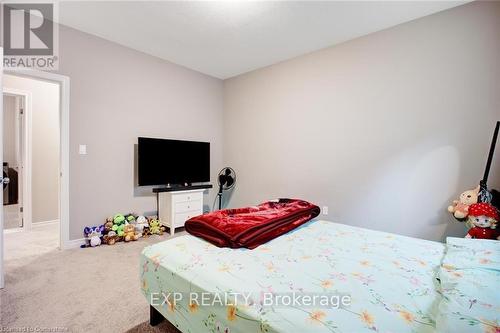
point(163, 161)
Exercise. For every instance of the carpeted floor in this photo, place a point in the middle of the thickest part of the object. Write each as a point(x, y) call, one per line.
point(93, 289)
point(41, 239)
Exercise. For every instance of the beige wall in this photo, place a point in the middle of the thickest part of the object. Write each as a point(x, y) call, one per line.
point(117, 95)
point(385, 129)
point(9, 135)
point(45, 145)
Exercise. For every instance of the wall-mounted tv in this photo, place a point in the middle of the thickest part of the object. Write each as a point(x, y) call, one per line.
point(163, 161)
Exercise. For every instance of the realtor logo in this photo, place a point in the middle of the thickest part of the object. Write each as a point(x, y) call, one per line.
point(29, 35)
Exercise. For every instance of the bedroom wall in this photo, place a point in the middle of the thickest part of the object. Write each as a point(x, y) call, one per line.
point(117, 95)
point(45, 145)
point(385, 129)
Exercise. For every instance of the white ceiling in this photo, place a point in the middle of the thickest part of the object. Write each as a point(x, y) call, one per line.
point(227, 38)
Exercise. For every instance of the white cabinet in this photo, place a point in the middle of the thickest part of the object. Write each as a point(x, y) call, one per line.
point(175, 208)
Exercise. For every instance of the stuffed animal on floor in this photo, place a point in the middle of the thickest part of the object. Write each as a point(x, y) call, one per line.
point(155, 228)
point(141, 224)
point(130, 218)
point(118, 219)
point(93, 236)
point(118, 224)
point(108, 225)
point(460, 208)
point(484, 217)
point(110, 238)
point(129, 233)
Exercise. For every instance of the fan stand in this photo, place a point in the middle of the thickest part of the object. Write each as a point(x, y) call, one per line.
point(485, 196)
point(227, 179)
point(220, 196)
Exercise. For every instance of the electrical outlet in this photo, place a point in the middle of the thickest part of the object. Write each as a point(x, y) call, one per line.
point(82, 149)
point(325, 210)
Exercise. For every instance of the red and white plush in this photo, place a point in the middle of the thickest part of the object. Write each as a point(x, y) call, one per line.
point(484, 218)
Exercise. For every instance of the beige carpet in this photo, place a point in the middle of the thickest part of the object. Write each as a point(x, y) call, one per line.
point(93, 289)
point(41, 239)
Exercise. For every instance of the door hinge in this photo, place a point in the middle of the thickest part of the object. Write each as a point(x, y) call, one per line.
point(21, 111)
point(21, 209)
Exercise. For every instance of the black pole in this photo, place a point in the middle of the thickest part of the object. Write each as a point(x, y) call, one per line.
point(220, 196)
point(490, 155)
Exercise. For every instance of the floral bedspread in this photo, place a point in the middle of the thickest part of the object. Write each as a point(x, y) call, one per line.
point(470, 284)
point(389, 279)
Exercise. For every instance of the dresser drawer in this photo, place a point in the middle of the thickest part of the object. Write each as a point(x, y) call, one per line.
point(181, 218)
point(188, 206)
point(185, 197)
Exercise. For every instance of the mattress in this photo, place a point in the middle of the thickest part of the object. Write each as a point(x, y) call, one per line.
point(469, 277)
point(389, 280)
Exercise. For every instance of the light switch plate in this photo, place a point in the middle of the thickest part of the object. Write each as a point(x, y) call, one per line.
point(82, 149)
point(325, 210)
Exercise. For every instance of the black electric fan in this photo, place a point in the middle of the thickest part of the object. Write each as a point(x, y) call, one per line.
point(486, 195)
point(226, 179)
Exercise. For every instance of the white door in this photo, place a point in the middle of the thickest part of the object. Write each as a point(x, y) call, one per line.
point(1, 163)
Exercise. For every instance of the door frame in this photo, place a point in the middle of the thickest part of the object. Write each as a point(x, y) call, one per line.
point(64, 107)
point(2, 281)
point(26, 172)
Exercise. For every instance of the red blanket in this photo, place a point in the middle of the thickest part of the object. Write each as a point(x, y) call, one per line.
point(251, 226)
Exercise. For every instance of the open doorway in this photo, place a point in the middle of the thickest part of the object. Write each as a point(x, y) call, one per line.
point(31, 156)
point(13, 128)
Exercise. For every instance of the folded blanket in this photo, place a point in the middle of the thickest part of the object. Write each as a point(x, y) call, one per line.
point(250, 227)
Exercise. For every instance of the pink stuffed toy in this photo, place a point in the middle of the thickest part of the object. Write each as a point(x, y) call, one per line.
point(483, 217)
point(460, 208)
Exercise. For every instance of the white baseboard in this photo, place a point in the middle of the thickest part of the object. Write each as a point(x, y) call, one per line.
point(43, 223)
point(73, 243)
point(12, 230)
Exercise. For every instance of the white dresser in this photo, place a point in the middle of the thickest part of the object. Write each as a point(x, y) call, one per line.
point(175, 208)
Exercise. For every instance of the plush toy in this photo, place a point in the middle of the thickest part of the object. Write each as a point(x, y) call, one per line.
point(118, 224)
point(110, 238)
point(129, 233)
point(108, 225)
point(484, 217)
point(142, 223)
point(118, 219)
point(130, 218)
point(460, 208)
point(119, 229)
point(93, 236)
point(155, 228)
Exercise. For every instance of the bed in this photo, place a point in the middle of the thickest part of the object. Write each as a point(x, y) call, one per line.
point(394, 283)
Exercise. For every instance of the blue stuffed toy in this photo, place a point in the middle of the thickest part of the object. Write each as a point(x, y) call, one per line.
point(93, 236)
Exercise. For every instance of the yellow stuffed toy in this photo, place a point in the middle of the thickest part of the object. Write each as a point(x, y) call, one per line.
point(155, 227)
point(130, 235)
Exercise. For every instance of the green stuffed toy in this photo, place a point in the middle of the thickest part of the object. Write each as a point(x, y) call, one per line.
point(119, 229)
point(118, 219)
point(119, 224)
point(130, 218)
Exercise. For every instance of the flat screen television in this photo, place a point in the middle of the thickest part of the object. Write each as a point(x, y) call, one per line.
point(163, 161)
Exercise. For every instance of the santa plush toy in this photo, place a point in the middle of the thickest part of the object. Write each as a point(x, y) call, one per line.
point(483, 217)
